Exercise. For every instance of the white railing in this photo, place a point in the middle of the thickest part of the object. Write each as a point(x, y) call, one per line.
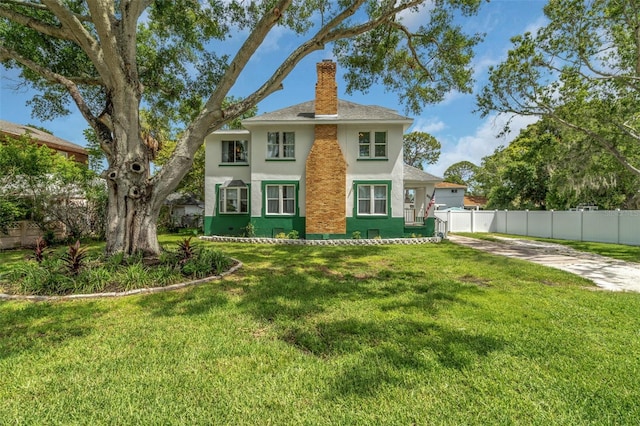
point(413, 217)
point(606, 226)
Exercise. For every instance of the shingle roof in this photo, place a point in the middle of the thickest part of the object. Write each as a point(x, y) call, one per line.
point(347, 111)
point(450, 185)
point(416, 175)
point(53, 142)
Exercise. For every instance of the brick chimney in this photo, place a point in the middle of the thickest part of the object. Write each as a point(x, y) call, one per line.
point(326, 168)
point(326, 89)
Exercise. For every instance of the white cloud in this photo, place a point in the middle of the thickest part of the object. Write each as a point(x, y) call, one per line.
point(534, 26)
point(482, 143)
point(428, 125)
point(413, 19)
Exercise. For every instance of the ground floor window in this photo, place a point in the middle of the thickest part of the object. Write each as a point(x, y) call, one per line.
point(372, 199)
point(234, 200)
point(280, 199)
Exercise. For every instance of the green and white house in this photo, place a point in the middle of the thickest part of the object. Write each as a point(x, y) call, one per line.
point(326, 169)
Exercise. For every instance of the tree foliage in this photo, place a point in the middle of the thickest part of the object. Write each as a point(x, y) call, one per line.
point(47, 188)
point(462, 173)
point(548, 166)
point(582, 70)
point(177, 63)
point(419, 148)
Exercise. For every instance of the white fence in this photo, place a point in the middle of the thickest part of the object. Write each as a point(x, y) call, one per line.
point(24, 234)
point(606, 226)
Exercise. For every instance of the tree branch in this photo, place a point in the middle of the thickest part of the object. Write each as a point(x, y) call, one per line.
point(35, 24)
point(603, 142)
point(38, 6)
point(80, 35)
point(55, 78)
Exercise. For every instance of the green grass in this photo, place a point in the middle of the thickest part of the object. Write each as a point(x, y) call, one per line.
point(435, 334)
point(616, 251)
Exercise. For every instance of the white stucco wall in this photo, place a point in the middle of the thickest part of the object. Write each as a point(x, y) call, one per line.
point(261, 169)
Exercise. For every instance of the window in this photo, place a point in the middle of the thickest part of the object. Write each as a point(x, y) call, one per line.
point(372, 199)
point(372, 148)
point(234, 200)
point(281, 145)
point(234, 151)
point(280, 199)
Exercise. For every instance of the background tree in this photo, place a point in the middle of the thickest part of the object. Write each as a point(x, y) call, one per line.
point(582, 70)
point(548, 166)
point(39, 185)
point(462, 173)
point(101, 56)
point(419, 148)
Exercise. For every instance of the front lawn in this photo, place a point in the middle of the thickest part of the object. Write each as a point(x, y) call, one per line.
point(433, 334)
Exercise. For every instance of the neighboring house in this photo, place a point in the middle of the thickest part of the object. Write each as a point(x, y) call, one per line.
point(185, 210)
point(61, 146)
point(326, 169)
point(450, 195)
point(474, 202)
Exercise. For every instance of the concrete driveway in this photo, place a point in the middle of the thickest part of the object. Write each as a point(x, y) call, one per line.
point(605, 272)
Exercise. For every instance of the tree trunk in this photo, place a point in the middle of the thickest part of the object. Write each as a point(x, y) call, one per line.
point(133, 206)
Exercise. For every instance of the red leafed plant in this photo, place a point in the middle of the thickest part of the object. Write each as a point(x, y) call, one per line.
point(74, 258)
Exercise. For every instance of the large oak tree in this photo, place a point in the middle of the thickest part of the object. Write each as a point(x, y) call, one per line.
point(113, 57)
point(582, 70)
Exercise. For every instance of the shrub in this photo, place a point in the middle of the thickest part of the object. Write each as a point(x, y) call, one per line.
point(293, 235)
point(281, 236)
point(356, 235)
point(38, 249)
point(186, 250)
point(74, 258)
point(208, 262)
point(250, 230)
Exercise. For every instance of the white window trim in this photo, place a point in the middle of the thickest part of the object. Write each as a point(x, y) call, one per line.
point(223, 207)
point(234, 145)
point(281, 146)
point(372, 200)
point(372, 144)
point(281, 200)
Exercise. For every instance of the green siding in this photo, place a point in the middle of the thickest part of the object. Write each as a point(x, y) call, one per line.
point(232, 225)
point(387, 227)
point(265, 226)
point(428, 230)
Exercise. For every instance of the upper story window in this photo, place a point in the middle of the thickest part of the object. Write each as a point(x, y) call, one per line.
point(280, 199)
point(235, 151)
point(372, 199)
point(372, 144)
point(281, 145)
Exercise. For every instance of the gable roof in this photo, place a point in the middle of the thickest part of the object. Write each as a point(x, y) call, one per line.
point(450, 185)
point(53, 142)
point(413, 174)
point(347, 112)
point(474, 201)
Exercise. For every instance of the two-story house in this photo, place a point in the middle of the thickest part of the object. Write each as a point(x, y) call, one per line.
point(326, 168)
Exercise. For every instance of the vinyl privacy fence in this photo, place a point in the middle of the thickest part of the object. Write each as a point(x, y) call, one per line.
point(606, 226)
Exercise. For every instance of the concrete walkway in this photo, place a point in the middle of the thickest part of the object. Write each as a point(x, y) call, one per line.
point(605, 272)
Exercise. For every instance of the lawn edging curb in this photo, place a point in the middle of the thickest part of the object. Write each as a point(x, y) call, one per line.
point(336, 242)
point(148, 290)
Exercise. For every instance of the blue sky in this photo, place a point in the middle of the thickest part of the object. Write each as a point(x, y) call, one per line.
point(463, 134)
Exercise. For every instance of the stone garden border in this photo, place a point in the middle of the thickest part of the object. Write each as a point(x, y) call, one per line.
point(337, 242)
point(150, 290)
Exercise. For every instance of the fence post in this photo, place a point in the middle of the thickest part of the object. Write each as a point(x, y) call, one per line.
point(551, 223)
point(506, 221)
point(526, 222)
point(473, 222)
point(618, 219)
point(581, 225)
